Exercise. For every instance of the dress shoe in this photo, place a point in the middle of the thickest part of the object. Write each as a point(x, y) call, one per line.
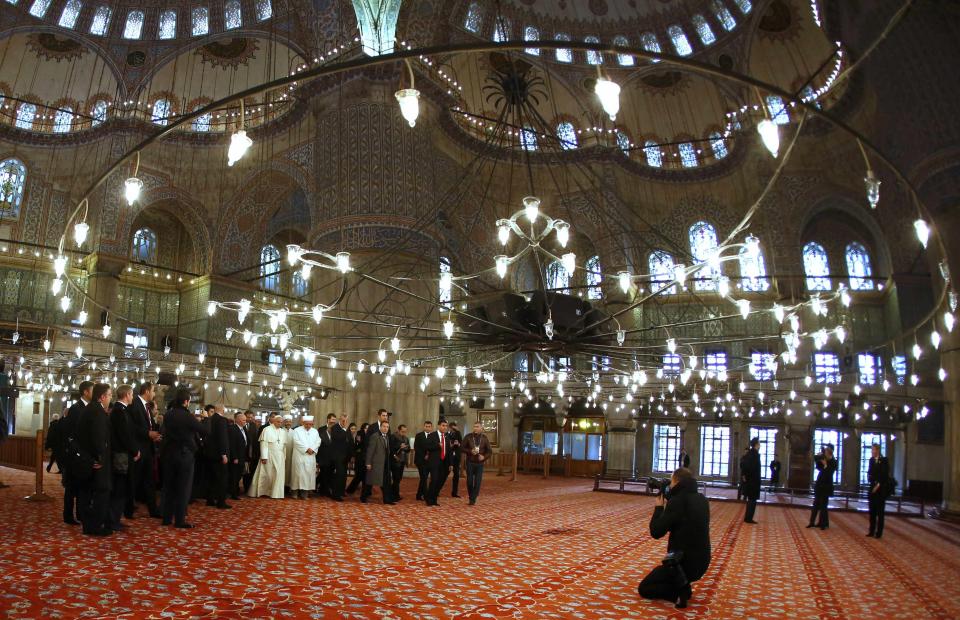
point(224, 506)
point(473, 502)
point(166, 522)
point(363, 500)
point(823, 527)
point(389, 503)
point(879, 535)
point(454, 495)
point(184, 526)
point(211, 503)
point(811, 525)
point(751, 522)
point(71, 522)
point(103, 532)
point(870, 533)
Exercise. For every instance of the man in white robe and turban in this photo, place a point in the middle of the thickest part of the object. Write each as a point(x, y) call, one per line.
point(287, 448)
point(303, 469)
point(269, 477)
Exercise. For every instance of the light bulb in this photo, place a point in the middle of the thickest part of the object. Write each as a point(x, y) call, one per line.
point(239, 143)
point(503, 231)
point(608, 92)
point(409, 100)
point(949, 321)
point(723, 286)
point(672, 345)
point(82, 317)
point(343, 261)
point(563, 232)
point(395, 344)
point(548, 329)
point(922, 230)
point(744, 306)
point(448, 329)
point(917, 351)
point(531, 208)
point(317, 314)
point(778, 313)
point(80, 231)
point(211, 308)
point(60, 265)
point(841, 333)
point(845, 298)
point(64, 303)
point(305, 271)
point(502, 262)
point(294, 252)
point(46, 344)
point(381, 355)
point(770, 135)
point(872, 185)
point(55, 286)
point(624, 278)
point(569, 261)
point(201, 357)
point(621, 336)
point(935, 339)
point(131, 190)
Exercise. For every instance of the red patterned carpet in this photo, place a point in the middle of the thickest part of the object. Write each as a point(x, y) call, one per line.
point(529, 549)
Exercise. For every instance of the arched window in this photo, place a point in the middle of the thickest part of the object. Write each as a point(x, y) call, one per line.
point(202, 122)
point(688, 155)
point(703, 30)
point(530, 33)
point(719, 145)
point(39, 8)
point(444, 291)
point(625, 60)
point(661, 272)
point(134, 25)
point(528, 139)
point(270, 268)
point(101, 21)
point(777, 109)
point(161, 112)
point(474, 18)
point(649, 42)
point(858, 267)
point(25, 115)
point(298, 284)
point(563, 54)
point(144, 246)
point(168, 25)
point(594, 278)
point(593, 57)
point(63, 120)
point(623, 142)
point(653, 153)
point(264, 10)
point(199, 21)
point(232, 17)
point(724, 16)
point(816, 266)
point(71, 11)
point(679, 39)
point(502, 29)
point(558, 279)
point(745, 6)
point(703, 247)
point(567, 135)
point(753, 269)
point(13, 179)
point(99, 112)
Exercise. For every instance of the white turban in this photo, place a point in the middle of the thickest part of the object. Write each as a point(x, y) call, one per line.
point(307, 418)
point(288, 417)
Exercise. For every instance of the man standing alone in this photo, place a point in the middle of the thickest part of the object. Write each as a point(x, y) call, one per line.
point(477, 448)
point(823, 488)
point(878, 477)
point(751, 479)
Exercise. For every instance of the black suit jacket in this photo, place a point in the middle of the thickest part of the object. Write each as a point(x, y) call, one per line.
point(420, 449)
point(686, 518)
point(217, 445)
point(325, 451)
point(751, 474)
point(253, 444)
point(236, 441)
point(878, 472)
point(824, 483)
point(399, 447)
point(434, 451)
point(121, 437)
point(180, 430)
point(93, 435)
point(140, 427)
point(454, 436)
point(342, 447)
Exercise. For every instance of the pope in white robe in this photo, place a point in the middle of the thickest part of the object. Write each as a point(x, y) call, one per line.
point(268, 478)
point(303, 469)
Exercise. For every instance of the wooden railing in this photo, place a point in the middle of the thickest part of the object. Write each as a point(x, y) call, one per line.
point(26, 453)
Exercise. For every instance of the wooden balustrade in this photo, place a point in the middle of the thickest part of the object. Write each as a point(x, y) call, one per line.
point(26, 453)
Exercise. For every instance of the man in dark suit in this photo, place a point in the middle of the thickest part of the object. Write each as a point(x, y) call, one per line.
point(147, 436)
point(237, 441)
point(455, 438)
point(878, 477)
point(216, 455)
point(252, 429)
point(438, 461)
point(823, 488)
point(399, 448)
point(325, 457)
point(68, 428)
point(93, 437)
point(180, 431)
point(420, 459)
point(751, 479)
point(341, 449)
point(201, 473)
point(683, 459)
point(373, 429)
point(377, 462)
point(126, 453)
point(775, 467)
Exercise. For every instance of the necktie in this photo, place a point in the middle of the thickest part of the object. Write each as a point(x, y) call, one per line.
point(443, 447)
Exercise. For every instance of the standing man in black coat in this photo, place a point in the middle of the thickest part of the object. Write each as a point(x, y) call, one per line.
point(252, 429)
point(878, 477)
point(126, 453)
point(438, 461)
point(420, 459)
point(685, 515)
point(69, 426)
point(180, 431)
point(93, 436)
point(775, 473)
point(325, 457)
point(373, 429)
point(341, 449)
point(456, 438)
point(823, 488)
point(237, 441)
point(147, 436)
point(216, 457)
point(53, 442)
point(683, 459)
point(399, 448)
point(751, 479)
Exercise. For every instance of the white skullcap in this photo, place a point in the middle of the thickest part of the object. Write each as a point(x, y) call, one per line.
point(288, 417)
point(307, 418)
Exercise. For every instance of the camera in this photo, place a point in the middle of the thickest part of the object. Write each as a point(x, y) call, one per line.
point(661, 485)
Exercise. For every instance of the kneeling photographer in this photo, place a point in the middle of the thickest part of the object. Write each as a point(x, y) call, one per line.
point(685, 514)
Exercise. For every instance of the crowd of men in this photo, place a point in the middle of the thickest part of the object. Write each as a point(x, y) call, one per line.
point(116, 451)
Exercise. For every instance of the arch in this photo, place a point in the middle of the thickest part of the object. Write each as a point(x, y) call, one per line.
point(270, 268)
point(660, 265)
point(859, 268)
point(753, 269)
point(816, 266)
point(232, 15)
point(594, 278)
point(143, 246)
point(567, 135)
point(133, 27)
point(703, 248)
point(837, 207)
point(13, 181)
point(557, 278)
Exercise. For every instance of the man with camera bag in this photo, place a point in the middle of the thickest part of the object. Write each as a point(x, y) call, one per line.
point(685, 514)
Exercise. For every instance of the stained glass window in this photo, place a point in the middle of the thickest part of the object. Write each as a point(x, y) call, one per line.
point(99, 112)
point(623, 142)
point(445, 293)
point(809, 96)
point(270, 267)
point(528, 139)
point(703, 30)
point(232, 16)
point(134, 25)
point(753, 270)
point(899, 365)
point(719, 145)
point(39, 8)
point(870, 367)
point(649, 42)
point(672, 364)
point(567, 135)
point(666, 447)
point(767, 448)
point(202, 122)
point(474, 18)
point(563, 53)
point(530, 33)
point(745, 6)
point(168, 25)
point(778, 110)
point(161, 112)
point(144, 246)
point(298, 283)
point(679, 39)
point(866, 452)
point(25, 115)
point(688, 155)
point(593, 57)
point(653, 154)
point(200, 21)
point(761, 365)
point(826, 367)
point(661, 272)
point(724, 16)
point(13, 179)
point(557, 277)
point(594, 278)
point(703, 247)
point(858, 267)
point(501, 31)
point(823, 436)
point(715, 360)
point(625, 60)
point(816, 266)
point(71, 11)
point(714, 450)
point(101, 21)
point(63, 120)
point(264, 10)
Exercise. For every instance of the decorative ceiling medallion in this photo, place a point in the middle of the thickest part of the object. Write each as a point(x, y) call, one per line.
point(52, 47)
point(136, 59)
point(663, 81)
point(599, 7)
point(228, 52)
point(777, 17)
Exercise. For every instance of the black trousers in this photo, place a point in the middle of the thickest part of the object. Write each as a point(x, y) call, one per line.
point(663, 582)
point(396, 475)
point(474, 478)
point(216, 471)
point(248, 477)
point(338, 478)
point(775, 481)
point(424, 486)
point(438, 476)
point(94, 504)
point(234, 473)
point(820, 508)
point(878, 506)
point(325, 478)
point(455, 486)
point(118, 497)
point(144, 487)
point(177, 484)
point(751, 509)
point(71, 511)
point(359, 473)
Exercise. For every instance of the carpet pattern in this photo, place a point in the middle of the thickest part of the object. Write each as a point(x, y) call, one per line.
point(529, 549)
